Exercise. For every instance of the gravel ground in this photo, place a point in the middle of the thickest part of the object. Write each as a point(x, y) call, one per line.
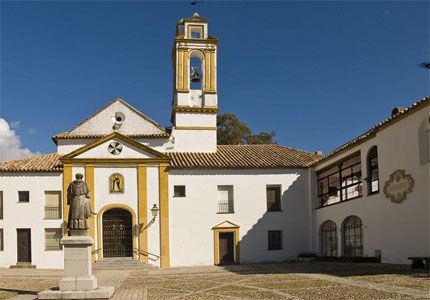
point(259, 281)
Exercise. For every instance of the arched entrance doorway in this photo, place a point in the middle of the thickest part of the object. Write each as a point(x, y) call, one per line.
point(117, 233)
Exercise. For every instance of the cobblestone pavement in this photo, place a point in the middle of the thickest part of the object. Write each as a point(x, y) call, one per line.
point(259, 281)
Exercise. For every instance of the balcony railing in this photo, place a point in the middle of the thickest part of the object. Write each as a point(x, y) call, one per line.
point(225, 208)
point(52, 212)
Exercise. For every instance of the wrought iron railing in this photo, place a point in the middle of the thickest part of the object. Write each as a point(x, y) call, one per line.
point(224, 207)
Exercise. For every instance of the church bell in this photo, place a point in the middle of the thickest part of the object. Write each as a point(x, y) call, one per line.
point(195, 75)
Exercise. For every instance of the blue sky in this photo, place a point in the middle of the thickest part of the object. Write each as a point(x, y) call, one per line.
point(318, 73)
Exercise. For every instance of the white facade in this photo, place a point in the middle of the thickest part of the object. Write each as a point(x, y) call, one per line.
point(214, 209)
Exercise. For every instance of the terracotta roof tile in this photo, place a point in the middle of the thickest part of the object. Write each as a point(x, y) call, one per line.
point(401, 113)
point(41, 163)
point(67, 135)
point(226, 157)
point(244, 156)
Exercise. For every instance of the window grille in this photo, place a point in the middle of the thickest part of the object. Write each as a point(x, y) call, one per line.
point(1, 240)
point(275, 239)
point(352, 234)
point(23, 196)
point(372, 170)
point(225, 199)
point(328, 238)
point(52, 238)
point(53, 205)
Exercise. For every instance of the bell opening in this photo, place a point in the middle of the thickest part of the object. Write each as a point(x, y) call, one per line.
point(196, 76)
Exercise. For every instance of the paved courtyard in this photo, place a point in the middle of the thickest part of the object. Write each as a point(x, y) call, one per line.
point(258, 281)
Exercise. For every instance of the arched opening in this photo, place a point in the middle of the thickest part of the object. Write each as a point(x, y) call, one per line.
point(117, 233)
point(196, 70)
point(372, 171)
point(328, 238)
point(352, 236)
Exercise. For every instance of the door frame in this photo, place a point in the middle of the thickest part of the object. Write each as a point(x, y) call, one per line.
point(29, 245)
point(100, 228)
point(226, 227)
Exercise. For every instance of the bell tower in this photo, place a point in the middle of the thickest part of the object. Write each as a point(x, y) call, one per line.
point(195, 100)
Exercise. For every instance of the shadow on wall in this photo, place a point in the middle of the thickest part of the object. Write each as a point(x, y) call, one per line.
point(293, 222)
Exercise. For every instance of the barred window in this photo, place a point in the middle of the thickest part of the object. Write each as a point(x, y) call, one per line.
point(1, 205)
point(23, 196)
point(52, 205)
point(352, 234)
point(328, 238)
point(274, 238)
point(52, 238)
point(1, 240)
point(273, 195)
point(225, 199)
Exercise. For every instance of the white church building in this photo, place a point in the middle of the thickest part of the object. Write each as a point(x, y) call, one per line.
point(173, 197)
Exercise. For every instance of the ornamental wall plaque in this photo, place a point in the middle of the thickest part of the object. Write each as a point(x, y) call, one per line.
point(398, 186)
point(115, 148)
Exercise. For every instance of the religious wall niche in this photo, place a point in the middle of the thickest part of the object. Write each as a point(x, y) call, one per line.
point(116, 183)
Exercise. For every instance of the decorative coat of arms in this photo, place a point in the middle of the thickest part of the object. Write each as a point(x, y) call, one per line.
point(398, 186)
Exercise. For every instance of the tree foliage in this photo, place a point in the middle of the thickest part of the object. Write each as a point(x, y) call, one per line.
point(231, 131)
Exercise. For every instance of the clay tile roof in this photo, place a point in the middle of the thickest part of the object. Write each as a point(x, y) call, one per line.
point(67, 135)
point(244, 156)
point(40, 163)
point(398, 114)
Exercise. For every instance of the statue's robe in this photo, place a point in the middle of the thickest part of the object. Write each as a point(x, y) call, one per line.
point(78, 199)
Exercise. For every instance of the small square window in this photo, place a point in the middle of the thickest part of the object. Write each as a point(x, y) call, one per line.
point(24, 196)
point(179, 191)
point(274, 238)
point(1, 240)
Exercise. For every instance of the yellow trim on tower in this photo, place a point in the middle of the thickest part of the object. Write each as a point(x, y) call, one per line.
point(164, 215)
point(235, 230)
point(142, 211)
point(99, 227)
point(89, 179)
point(186, 70)
point(67, 179)
point(180, 70)
point(207, 72)
point(213, 72)
point(196, 110)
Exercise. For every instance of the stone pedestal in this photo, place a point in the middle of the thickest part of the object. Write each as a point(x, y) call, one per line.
point(78, 281)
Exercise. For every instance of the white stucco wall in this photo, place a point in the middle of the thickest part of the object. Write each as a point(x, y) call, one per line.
point(28, 215)
point(193, 216)
point(194, 140)
point(128, 151)
point(398, 229)
point(192, 119)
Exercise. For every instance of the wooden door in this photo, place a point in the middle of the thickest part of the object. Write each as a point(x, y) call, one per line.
point(24, 245)
point(226, 247)
point(117, 233)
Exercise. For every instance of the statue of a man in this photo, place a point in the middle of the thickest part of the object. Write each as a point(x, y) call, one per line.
point(78, 198)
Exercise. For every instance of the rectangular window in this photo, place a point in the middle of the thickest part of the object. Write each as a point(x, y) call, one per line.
point(1, 205)
point(52, 205)
point(196, 32)
point(340, 182)
point(273, 195)
point(274, 238)
point(23, 196)
point(179, 191)
point(52, 238)
point(225, 199)
point(1, 240)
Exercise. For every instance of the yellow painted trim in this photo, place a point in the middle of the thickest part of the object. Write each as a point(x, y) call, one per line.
point(233, 225)
point(142, 211)
point(67, 179)
point(187, 109)
point(235, 231)
point(180, 70)
point(164, 215)
point(89, 179)
point(99, 227)
point(194, 128)
point(212, 72)
point(109, 137)
point(186, 70)
point(114, 160)
point(121, 183)
point(199, 28)
point(208, 74)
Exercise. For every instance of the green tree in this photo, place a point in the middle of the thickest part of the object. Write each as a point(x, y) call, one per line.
point(231, 131)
